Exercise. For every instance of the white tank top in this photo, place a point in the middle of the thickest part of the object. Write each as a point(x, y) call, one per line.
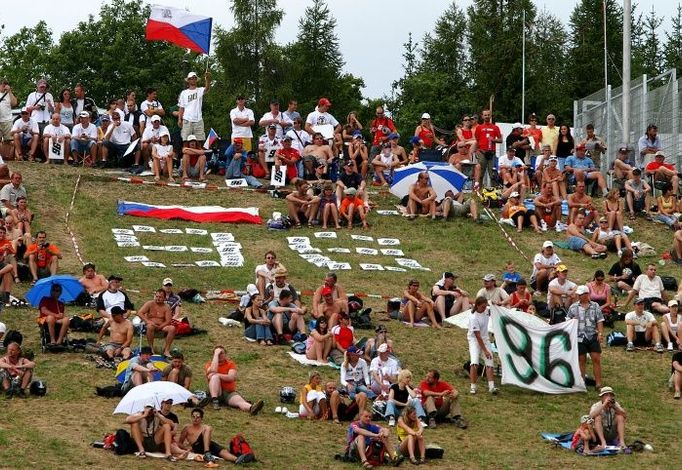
point(674, 327)
point(163, 150)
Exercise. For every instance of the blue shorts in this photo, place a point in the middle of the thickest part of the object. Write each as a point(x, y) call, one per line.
point(81, 146)
point(576, 243)
point(669, 220)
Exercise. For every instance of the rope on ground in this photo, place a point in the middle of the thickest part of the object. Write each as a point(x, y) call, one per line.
point(76, 249)
point(507, 237)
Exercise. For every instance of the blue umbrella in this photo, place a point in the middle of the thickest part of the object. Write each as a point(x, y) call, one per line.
point(71, 289)
point(442, 178)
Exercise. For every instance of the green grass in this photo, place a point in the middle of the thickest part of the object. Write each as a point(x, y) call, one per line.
point(56, 431)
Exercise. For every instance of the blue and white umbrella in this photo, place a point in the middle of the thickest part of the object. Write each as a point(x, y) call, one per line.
point(442, 178)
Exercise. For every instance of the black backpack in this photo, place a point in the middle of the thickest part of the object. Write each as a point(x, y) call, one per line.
point(123, 443)
point(557, 315)
point(12, 336)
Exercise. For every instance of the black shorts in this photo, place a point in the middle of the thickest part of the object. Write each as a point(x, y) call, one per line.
point(651, 300)
point(347, 412)
point(526, 217)
point(213, 447)
point(587, 346)
point(640, 339)
point(150, 445)
point(449, 302)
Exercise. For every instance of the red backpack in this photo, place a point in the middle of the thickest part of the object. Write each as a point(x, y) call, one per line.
point(238, 446)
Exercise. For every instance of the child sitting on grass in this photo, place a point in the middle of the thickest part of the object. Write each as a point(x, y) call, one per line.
point(584, 435)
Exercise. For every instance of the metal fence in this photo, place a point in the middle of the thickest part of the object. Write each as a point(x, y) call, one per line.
point(652, 101)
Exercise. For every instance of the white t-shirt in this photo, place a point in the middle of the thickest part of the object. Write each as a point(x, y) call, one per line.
point(565, 287)
point(317, 118)
point(280, 117)
point(153, 105)
point(26, 127)
point(647, 288)
point(191, 101)
point(495, 295)
point(674, 327)
point(644, 319)
point(358, 374)
point(270, 147)
point(241, 131)
point(264, 268)
point(90, 131)
point(504, 162)
point(479, 322)
point(150, 132)
point(553, 260)
point(41, 115)
point(59, 131)
point(5, 108)
point(122, 134)
point(163, 150)
point(387, 368)
point(304, 137)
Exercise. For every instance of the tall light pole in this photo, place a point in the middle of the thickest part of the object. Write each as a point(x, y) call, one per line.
point(627, 22)
point(523, 68)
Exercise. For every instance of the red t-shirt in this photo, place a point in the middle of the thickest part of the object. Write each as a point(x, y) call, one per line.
point(426, 136)
point(438, 387)
point(225, 368)
point(50, 303)
point(485, 133)
point(535, 133)
point(653, 166)
point(343, 335)
point(379, 136)
point(515, 298)
point(291, 154)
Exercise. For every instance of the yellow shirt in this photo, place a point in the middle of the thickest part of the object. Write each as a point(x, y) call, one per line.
point(550, 136)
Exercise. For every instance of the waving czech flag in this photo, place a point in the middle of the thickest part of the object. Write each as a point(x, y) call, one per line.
point(180, 27)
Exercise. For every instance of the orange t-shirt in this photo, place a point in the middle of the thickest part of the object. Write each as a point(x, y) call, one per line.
point(6, 245)
point(224, 368)
point(43, 255)
point(347, 201)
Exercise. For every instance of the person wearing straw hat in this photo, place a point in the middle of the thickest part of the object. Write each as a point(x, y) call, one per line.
point(590, 320)
point(560, 291)
point(491, 292)
point(609, 419)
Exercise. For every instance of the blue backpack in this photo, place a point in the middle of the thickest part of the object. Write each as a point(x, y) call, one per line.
point(616, 338)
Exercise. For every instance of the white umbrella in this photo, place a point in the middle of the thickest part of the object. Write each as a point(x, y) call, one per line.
point(151, 393)
point(442, 177)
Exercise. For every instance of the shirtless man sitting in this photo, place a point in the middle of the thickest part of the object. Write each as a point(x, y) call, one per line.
point(157, 316)
point(120, 336)
point(300, 203)
point(622, 170)
point(329, 308)
point(197, 438)
point(548, 206)
point(93, 283)
point(463, 158)
point(318, 151)
point(579, 201)
point(421, 198)
point(15, 368)
point(338, 294)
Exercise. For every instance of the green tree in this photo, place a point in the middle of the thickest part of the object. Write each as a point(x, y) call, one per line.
point(586, 53)
point(648, 53)
point(672, 50)
point(495, 33)
point(25, 57)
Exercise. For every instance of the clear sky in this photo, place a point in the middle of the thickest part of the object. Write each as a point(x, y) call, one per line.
point(371, 32)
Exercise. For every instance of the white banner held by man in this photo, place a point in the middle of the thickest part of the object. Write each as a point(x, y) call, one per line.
point(543, 358)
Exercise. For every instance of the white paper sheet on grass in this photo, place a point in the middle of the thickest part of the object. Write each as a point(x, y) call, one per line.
point(338, 266)
point(408, 263)
point(371, 267)
point(366, 251)
point(298, 240)
point(135, 259)
point(392, 252)
point(200, 249)
point(171, 230)
point(129, 244)
point(176, 248)
point(153, 264)
point(387, 212)
point(338, 250)
point(222, 237)
point(388, 241)
point(301, 359)
point(196, 231)
point(122, 231)
point(125, 238)
point(207, 264)
point(228, 249)
point(144, 228)
point(363, 238)
point(219, 244)
point(154, 247)
point(395, 269)
point(325, 235)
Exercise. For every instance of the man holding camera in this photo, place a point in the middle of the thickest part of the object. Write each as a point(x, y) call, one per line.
point(43, 257)
point(609, 419)
point(151, 431)
point(381, 128)
point(83, 138)
point(40, 104)
point(7, 102)
point(60, 136)
point(25, 133)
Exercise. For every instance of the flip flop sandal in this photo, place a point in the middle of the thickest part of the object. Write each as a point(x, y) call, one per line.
point(141, 455)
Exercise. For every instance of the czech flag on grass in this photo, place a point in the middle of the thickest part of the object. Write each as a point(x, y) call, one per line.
point(212, 136)
point(180, 27)
point(211, 214)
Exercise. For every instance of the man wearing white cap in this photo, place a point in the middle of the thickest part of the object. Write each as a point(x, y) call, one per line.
point(609, 419)
point(25, 133)
point(642, 328)
point(383, 371)
point(190, 101)
point(493, 294)
point(561, 291)
point(590, 331)
point(83, 138)
point(172, 299)
point(58, 133)
point(544, 264)
point(40, 104)
point(193, 160)
point(151, 136)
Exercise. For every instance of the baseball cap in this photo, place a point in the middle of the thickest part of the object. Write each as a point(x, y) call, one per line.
point(287, 138)
point(426, 116)
point(251, 289)
point(115, 277)
point(489, 277)
point(623, 149)
point(169, 399)
point(672, 303)
point(604, 390)
point(156, 118)
point(350, 191)
point(548, 244)
point(349, 164)
point(586, 419)
point(582, 290)
point(24, 109)
point(105, 117)
point(510, 147)
point(393, 135)
point(238, 140)
point(324, 102)
point(272, 126)
point(517, 125)
point(352, 349)
point(146, 350)
point(191, 75)
point(357, 135)
point(116, 310)
point(149, 405)
point(382, 348)
point(553, 158)
point(561, 268)
point(659, 154)
point(191, 138)
point(514, 194)
point(414, 140)
point(639, 301)
point(326, 291)
point(84, 114)
point(167, 281)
